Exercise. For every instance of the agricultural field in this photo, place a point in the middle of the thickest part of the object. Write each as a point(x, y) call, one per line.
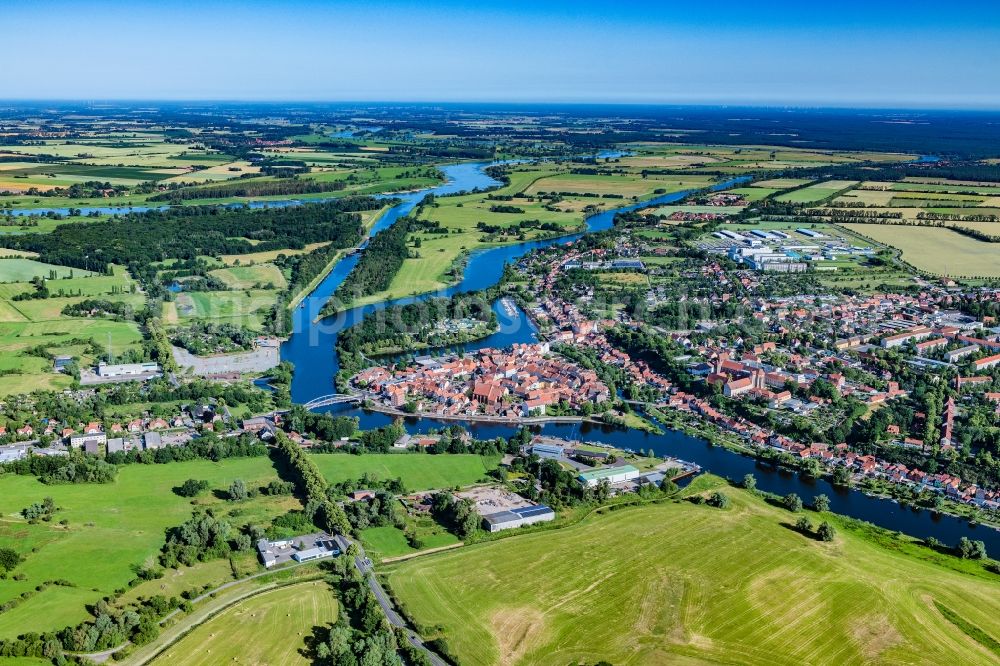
point(937, 250)
point(627, 184)
point(817, 191)
point(781, 183)
point(418, 472)
point(682, 583)
point(110, 528)
point(217, 172)
point(19, 269)
point(257, 276)
point(912, 200)
point(267, 628)
point(685, 208)
point(246, 308)
point(754, 193)
point(742, 159)
point(266, 256)
point(28, 324)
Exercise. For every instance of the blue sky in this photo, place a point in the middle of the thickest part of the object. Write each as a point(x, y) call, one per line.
point(842, 53)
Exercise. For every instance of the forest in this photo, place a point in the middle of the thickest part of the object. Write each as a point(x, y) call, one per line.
point(381, 260)
point(251, 188)
point(141, 239)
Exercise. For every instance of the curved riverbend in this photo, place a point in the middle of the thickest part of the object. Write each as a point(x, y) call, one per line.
point(312, 350)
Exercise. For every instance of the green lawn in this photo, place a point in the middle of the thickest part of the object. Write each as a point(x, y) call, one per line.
point(269, 628)
point(389, 541)
point(419, 472)
point(680, 583)
point(110, 529)
point(247, 277)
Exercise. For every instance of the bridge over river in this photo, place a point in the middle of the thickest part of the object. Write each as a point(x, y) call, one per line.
point(333, 399)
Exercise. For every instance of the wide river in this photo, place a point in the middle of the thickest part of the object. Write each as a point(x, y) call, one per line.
point(311, 347)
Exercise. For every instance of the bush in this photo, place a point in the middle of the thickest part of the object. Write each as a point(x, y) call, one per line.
point(718, 500)
point(192, 488)
point(826, 532)
point(792, 502)
point(279, 487)
point(238, 491)
point(9, 558)
point(971, 550)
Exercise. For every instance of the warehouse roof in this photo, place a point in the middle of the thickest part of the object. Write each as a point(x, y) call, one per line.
point(606, 472)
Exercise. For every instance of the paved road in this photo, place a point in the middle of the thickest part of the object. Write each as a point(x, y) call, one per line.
point(364, 566)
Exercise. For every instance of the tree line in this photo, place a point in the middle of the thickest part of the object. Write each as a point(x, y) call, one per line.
point(139, 240)
point(381, 260)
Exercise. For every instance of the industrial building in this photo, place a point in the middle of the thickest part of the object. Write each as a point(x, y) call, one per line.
point(303, 548)
point(550, 451)
point(610, 474)
point(519, 517)
point(126, 369)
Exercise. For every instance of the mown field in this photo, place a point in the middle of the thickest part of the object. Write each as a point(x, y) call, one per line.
point(269, 628)
point(111, 528)
point(251, 277)
point(680, 583)
point(937, 250)
point(418, 472)
point(23, 270)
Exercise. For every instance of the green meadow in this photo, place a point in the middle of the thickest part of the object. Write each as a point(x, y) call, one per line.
point(418, 472)
point(110, 529)
point(682, 583)
point(27, 324)
point(248, 277)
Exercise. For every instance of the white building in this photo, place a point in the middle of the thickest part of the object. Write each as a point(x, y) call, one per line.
point(525, 515)
point(126, 369)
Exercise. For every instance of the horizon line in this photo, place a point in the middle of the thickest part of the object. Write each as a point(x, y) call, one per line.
point(799, 105)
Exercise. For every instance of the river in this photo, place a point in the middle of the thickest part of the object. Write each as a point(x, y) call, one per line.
point(311, 348)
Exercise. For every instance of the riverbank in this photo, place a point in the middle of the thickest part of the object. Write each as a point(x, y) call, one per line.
point(315, 282)
point(479, 418)
point(869, 487)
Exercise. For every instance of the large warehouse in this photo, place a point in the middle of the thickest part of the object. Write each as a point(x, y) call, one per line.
point(526, 515)
point(610, 474)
